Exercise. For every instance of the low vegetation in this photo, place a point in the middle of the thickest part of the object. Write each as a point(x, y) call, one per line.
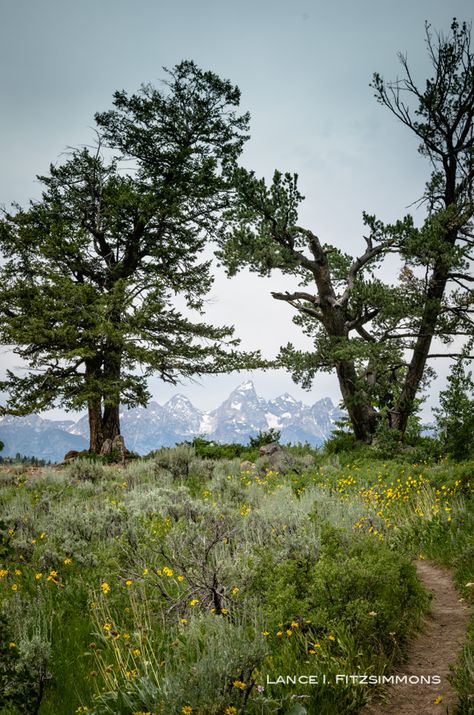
point(188, 582)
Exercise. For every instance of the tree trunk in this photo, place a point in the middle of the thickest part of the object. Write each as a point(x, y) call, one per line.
point(96, 435)
point(104, 418)
point(110, 422)
point(110, 415)
point(405, 403)
point(361, 413)
point(92, 378)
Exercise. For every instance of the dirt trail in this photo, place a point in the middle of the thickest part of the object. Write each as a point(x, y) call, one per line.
point(431, 652)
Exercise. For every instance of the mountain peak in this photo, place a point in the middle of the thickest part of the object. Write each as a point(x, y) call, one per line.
point(179, 400)
point(246, 386)
point(288, 398)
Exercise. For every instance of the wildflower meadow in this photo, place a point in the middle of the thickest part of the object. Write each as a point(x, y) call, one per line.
point(186, 585)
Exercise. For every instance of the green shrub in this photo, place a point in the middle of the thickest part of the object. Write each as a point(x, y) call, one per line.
point(387, 441)
point(24, 666)
point(265, 437)
point(85, 469)
point(217, 451)
point(340, 441)
point(176, 460)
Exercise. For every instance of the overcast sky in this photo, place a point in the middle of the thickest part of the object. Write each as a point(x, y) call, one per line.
point(304, 69)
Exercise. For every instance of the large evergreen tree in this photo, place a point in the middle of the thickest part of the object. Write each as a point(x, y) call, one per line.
point(378, 336)
point(90, 271)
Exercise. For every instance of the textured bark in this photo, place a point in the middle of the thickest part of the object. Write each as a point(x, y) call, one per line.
point(361, 413)
point(333, 316)
point(404, 406)
point(96, 438)
point(104, 418)
point(104, 424)
point(110, 422)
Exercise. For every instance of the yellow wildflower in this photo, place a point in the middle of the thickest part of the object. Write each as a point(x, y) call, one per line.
point(136, 652)
point(145, 572)
point(12, 644)
point(105, 587)
point(180, 578)
point(107, 627)
point(194, 602)
point(438, 700)
point(66, 562)
point(224, 611)
point(3, 572)
point(231, 710)
point(14, 587)
point(186, 710)
point(17, 572)
point(239, 684)
point(128, 582)
point(167, 571)
point(183, 621)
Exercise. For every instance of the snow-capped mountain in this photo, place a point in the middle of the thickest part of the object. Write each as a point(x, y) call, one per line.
point(242, 415)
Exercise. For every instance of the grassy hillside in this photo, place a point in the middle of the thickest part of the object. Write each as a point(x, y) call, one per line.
point(181, 584)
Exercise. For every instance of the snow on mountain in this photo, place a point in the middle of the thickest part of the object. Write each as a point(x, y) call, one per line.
point(246, 386)
point(272, 420)
point(242, 415)
point(208, 424)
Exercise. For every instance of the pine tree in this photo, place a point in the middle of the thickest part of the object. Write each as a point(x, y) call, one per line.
point(91, 271)
point(455, 416)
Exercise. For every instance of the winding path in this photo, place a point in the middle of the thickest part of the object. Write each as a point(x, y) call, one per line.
point(431, 652)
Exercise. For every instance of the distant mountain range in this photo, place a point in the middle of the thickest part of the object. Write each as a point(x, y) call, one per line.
point(242, 415)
